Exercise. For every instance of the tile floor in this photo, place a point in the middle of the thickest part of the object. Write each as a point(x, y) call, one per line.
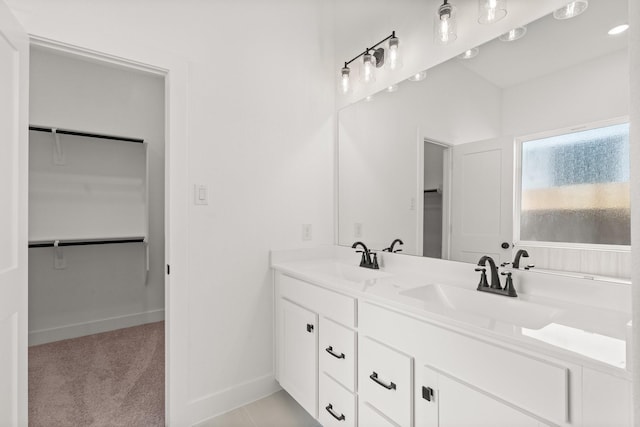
point(276, 410)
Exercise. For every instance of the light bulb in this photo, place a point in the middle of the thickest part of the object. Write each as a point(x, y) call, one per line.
point(418, 77)
point(490, 11)
point(394, 59)
point(471, 53)
point(345, 83)
point(571, 10)
point(618, 29)
point(368, 68)
point(514, 34)
point(446, 24)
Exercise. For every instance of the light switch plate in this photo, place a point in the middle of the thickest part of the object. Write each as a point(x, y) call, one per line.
point(200, 194)
point(306, 232)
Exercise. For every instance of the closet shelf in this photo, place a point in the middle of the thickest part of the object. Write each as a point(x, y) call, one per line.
point(85, 242)
point(86, 134)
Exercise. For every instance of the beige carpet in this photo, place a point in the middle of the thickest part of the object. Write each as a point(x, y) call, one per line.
point(111, 379)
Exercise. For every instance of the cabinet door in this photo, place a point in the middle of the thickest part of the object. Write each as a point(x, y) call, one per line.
point(460, 405)
point(298, 355)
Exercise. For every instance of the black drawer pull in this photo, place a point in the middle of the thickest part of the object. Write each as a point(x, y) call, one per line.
point(330, 410)
point(390, 386)
point(330, 351)
point(309, 327)
point(427, 393)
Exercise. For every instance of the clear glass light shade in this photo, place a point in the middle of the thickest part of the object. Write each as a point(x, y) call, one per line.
point(368, 69)
point(394, 59)
point(418, 77)
point(618, 29)
point(490, 11)
point(514, 34)
point(571, 10)
point(446, 26)
point(471, 53)
point(345, 83)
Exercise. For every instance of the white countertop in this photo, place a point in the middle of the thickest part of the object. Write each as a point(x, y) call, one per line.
point(583, 334)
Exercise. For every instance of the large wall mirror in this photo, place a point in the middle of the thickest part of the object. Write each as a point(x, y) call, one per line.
point(439, 162)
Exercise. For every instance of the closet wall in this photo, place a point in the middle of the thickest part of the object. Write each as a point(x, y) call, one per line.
point(102, 287)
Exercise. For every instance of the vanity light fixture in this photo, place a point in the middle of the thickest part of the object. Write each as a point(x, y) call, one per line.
point(446, 23)
point(345, 83)
point(471, 53)
point(514, 34)
point(490, 11)
point(619, 29)
point(395, 60)
point(571, 10)
point(368, 68)
point(372, 58)
point(418, 77)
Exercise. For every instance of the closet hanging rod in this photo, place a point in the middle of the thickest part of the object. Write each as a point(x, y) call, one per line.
point(87, 134)
point(51, 244)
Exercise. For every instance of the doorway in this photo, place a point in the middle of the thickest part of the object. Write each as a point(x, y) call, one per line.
point(435, 202)
point(96, 239)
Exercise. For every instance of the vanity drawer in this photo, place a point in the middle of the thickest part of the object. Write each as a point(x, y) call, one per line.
point(338, 307)
point(337, 405)
point(338, 353)
point(385, 380)
point(369, 417)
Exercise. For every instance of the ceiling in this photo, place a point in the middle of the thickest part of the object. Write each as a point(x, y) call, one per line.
point(551, 45)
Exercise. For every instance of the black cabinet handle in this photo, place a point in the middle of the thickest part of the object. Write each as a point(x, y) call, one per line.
point(374, 377)
point(427, 393)
point(309, 327)
point(330, 351)
point(330, 410)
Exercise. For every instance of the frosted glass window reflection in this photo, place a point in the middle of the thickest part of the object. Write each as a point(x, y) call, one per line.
point(575, 187)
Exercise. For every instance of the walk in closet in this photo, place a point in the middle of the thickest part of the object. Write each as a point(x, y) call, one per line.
point(96, 224)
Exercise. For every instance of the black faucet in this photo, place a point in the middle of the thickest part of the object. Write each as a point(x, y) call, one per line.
point(495, 287)
point(366, 260)
point(516, 261)
point(390, 248)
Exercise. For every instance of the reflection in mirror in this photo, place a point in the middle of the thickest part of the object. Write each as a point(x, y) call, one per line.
point(432, 163)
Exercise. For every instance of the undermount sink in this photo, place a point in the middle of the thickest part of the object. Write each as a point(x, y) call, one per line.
point(351, 273)
point(513, 311)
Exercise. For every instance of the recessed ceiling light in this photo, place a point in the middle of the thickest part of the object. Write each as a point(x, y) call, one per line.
point(618, 29)
point(392, 88)
point(471, 53)
point(571, 10)
point(515, 34)
point(418, 77)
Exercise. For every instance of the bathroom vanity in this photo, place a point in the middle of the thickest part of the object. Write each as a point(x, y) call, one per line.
point(414, 344)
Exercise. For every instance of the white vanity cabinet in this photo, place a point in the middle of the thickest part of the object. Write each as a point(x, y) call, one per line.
point(445, 402)
point(358, 362)
point(298, 354)
point(316, 349)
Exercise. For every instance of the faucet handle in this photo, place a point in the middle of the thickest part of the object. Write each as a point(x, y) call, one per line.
point(508, 286)
point(483, 278)
point(504, 264)
point(374, 262)
point(397, 250)
point(529, 266)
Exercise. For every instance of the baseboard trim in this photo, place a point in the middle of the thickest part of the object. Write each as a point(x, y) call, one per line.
point(75, 330)
point(226, 400)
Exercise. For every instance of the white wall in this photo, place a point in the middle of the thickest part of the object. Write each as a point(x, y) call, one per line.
point(260, 107)
point(102, 287)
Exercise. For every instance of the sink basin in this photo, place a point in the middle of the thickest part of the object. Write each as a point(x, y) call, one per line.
point(514, 311)
point(350, 273)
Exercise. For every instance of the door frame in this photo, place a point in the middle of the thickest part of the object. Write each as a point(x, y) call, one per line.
point(446, 195)
point(175, 73)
